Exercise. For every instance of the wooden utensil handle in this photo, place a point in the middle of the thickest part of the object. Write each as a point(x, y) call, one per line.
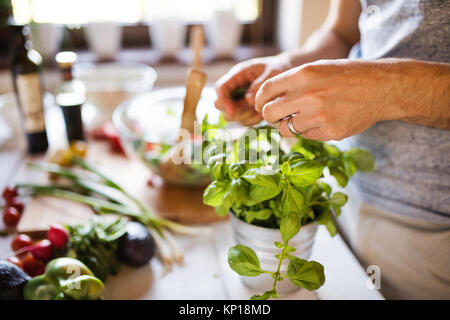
point(195, 82)
point(197, 44)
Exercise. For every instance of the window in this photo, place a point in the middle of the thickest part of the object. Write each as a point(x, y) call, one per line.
point(128, 11)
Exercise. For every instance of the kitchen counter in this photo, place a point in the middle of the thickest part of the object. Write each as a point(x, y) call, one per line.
point(205, 273)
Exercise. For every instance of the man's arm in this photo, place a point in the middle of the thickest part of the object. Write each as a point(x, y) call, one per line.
point(334, 39)
point(426, 92)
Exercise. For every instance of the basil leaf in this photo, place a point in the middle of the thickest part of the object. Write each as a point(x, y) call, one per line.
point(259, 193)
point(326, 188)
point(305, 274)
point(238, 190)
point(223, 209)
point(261, 177)
point(340, 176)
point(293, 200)
point(218, 171)
point(332, 150)
point(289, 226)
point(243, 260)
point(363, 159)
point(305, 173)
point(266, 295)
point(263, 214)
point(337, 210)
point(215, 192)
point(286, 168)
point(338, 199)
point(326, 219)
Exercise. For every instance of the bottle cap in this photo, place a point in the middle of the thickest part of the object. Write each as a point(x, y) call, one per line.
point(66, 59)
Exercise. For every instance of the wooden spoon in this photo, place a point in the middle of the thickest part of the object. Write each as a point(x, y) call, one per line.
point(195, 81)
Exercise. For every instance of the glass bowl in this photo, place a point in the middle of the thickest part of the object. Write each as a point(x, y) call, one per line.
point(148, 126)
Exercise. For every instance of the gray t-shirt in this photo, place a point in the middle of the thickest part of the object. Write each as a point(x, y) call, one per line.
point(413, 161)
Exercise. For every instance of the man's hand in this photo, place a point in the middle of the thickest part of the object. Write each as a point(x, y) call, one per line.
point(250, 74)
point(334, 99)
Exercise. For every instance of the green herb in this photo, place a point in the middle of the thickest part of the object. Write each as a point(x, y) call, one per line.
point(238, 93)
point(86, 184)
point(282, 191)
point(95, 244)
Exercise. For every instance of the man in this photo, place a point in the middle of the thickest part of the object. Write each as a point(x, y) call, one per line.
point(396, 101)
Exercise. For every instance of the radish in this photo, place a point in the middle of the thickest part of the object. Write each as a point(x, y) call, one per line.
point(58, 236)
point(41, 250)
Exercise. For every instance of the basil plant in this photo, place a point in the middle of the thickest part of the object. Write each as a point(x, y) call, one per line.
point(281, 190)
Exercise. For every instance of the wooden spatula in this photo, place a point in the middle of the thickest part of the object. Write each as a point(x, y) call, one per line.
point(195, 81)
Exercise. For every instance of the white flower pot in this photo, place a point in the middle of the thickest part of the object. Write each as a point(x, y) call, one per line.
point(261, 240)
point(223, 32)
point(46, 38)
point(168, 36)
point(104, 39)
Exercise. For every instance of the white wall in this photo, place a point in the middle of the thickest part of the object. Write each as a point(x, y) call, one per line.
point(298, 19)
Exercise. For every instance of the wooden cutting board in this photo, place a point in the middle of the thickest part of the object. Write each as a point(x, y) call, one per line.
point(181, 204)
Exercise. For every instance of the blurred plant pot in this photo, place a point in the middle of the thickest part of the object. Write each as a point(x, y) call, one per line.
point(168, 36)
point(46, 38)
point(261, 240)
point(109, 84)
point(104, 39)
point(223, 32)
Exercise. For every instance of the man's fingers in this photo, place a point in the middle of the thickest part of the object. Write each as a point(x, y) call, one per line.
point(299, 124)
point(256, 84)
point(271, 88)
point(255, 119)
point(278, 109)
point(283, 128)
point(315, 134)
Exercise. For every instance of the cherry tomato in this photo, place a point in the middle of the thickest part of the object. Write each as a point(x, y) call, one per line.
point(150, 146)
point(9, 192)
point(98, 133)
point(30, 264)
point(15, 203)
point(113, 138)
point(16, 261)
point(20, 241)
point(11, 216)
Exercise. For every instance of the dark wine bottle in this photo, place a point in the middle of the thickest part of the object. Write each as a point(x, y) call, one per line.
point(24, 66)
point(70, 96)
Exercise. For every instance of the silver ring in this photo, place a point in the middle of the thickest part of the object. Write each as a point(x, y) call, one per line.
point(291, 127)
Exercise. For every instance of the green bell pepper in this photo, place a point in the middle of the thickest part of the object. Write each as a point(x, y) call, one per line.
point(64, 278)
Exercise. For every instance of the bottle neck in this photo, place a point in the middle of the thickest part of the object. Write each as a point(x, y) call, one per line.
point(20, 44)
point(66, 74)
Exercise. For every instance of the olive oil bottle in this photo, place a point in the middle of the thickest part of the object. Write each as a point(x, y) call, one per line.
point(24, 64)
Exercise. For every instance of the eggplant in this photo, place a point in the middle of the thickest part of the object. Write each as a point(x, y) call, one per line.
point(12, 281)
point(137, 246)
